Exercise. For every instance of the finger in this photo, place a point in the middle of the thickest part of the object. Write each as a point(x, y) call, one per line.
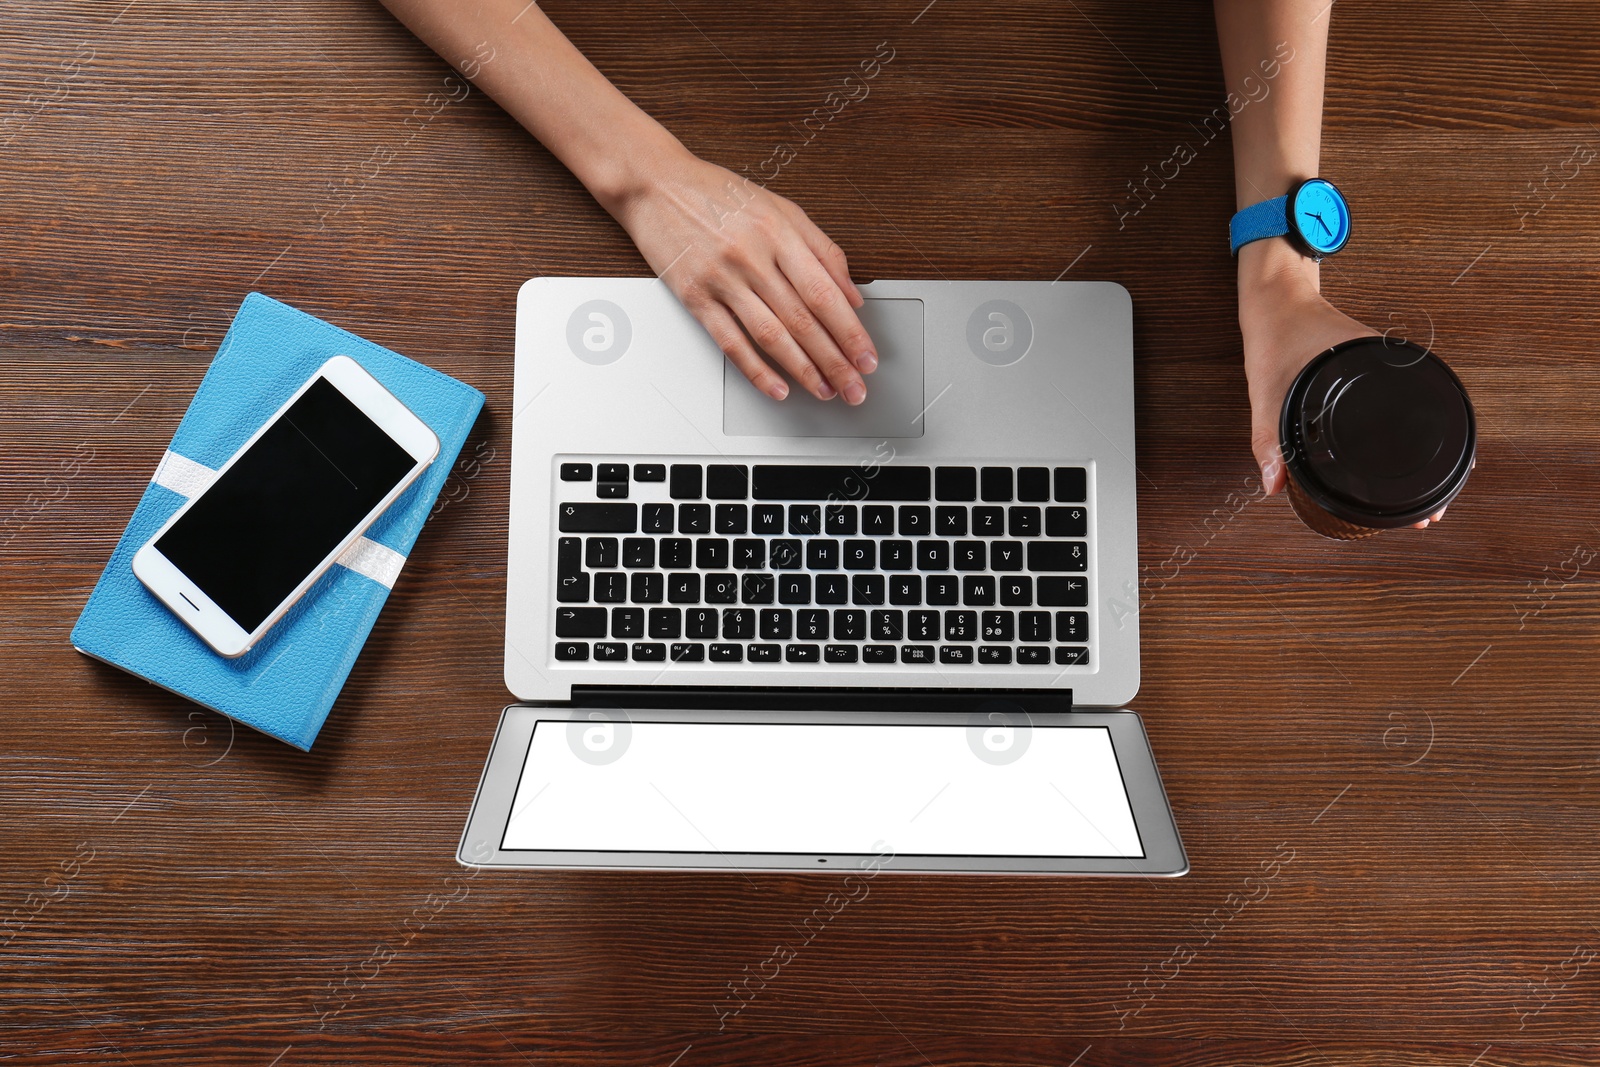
point(807, 329)
point(720, 324)
point(828, 302)
point(770, 333)
point(828, 253)
point(1269, 458)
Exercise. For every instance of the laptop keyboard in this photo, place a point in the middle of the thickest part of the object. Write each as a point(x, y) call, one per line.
point(796, 563)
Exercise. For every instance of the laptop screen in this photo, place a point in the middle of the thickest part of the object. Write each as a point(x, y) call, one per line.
point(834, 789)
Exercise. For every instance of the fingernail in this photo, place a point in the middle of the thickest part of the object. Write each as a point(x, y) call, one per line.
point(867, 362)
point(855, 393)
point(825, 391)
point(777, 390)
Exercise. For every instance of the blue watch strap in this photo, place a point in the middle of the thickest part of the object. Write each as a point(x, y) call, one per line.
point(1270, 218)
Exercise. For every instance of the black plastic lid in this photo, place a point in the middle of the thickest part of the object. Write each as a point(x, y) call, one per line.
point(1378, 433)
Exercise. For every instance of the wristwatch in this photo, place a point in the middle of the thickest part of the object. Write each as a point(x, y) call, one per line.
point(1314, 216)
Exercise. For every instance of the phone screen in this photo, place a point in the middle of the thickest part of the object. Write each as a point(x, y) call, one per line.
point(271, 518)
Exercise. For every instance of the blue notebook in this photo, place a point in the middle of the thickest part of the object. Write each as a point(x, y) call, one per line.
point(286, 684)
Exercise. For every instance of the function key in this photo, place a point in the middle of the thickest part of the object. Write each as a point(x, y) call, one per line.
point(877, 654)
point(1067, 656)
point(688, 652)
point(955, 483)
point(994, 654)
point(1033, 483)
point(996, 483)
point(1066, 522)
point(727, 653)
point(685, 483)
point(649, 651)
point(727, 481)
point(765, 653)
point(840, 653)
point(649, 472)
point(1072, 485)
point(613, 472)
point(576, 472)
point(610, 651)
point(802, 653)
point(955, 654)
point(915, 653)
point(1036, 654)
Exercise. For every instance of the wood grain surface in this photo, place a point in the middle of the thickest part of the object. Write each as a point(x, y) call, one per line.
point(1384, 756)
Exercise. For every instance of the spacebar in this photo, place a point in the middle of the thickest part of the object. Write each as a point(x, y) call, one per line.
point(815, 482)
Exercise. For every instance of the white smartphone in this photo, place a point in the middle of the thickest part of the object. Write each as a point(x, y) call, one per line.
point(239, 554)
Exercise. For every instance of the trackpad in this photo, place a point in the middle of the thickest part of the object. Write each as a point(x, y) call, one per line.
point(893, 407)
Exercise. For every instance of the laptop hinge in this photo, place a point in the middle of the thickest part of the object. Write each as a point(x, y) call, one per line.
point(799, 698)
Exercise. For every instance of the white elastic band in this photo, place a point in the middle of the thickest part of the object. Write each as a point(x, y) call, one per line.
point(367, 558)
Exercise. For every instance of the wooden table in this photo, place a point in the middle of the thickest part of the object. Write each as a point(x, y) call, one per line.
point(1382, 756)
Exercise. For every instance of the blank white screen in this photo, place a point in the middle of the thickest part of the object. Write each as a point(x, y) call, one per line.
point(824, 789)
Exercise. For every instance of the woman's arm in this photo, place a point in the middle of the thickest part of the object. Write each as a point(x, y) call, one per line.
point(732, 251)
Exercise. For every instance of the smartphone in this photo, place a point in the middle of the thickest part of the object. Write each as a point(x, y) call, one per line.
point(237, 556)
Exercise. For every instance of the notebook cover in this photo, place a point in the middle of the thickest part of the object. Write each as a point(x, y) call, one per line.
point(287, 683)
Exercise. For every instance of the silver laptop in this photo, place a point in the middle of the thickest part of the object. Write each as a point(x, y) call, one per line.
point(753, 634)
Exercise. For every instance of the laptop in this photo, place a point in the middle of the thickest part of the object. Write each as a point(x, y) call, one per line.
point(747, 634)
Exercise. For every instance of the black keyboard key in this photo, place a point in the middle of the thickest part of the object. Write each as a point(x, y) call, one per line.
point(998, 625)
point(688, 652)
point(600, 553)
point(675, 553)
point(970, 556)
point(694, 518)
point(1023, 522)
point(840, 653)
point(572, 650)
point(580, 622)
point(765, 653)
point(599, 518)
point(757, 589)
point(1066, 522)
point(1033, 483)
point(613, 472)
point(767, 519)
point(977, 589)
point(994, 654)
point(722, 588)
point(1058, 556)
point(955, 654)
point(1005, 556)
point(610, 651)
point(933, 555)
point(572, 589)
point(811, 624)
point(888, 625)
point(685, 483)
point(572, 585)
point(950, 522)
point(683, 587)
point(649, 652)
point(645, 587)
point(638, 552)
point(627, 622)
point(700, 623)
point(942, 589)
point(666, 622)
point(849, 624)
point(997, 483)
point(1036, 654)
point(711, 553)
point(1063, 592)
point(749, 553)
point(1067, 656)
point(905, 589)
point(922, 626)
point(1072, 485)
point(877, 654)
point(877, 520)
point(1033, 626)
point(916, 653)
point(576, 472)
point(656, 519)
point(956, 483)
point(866, 589)
point(727, 481)
point(895, 555)
point(988, 522)
point(832, 589)
point(961, 626)
point(612, 490)
point(610, 587)
point(1072, 626)
point(738, 623)
point(727, 653)
point(794, 588)
point(803, 653)
point(732, 518)
point(1016, 591)
point(822, 553)
point(815, 482)
point(915, 520)
point(860, 555)
point(649, 472)
point(805, 519)
point(786, 554)
point(839, 519)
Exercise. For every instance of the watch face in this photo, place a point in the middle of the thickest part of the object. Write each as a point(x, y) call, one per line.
point(1320, 214)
